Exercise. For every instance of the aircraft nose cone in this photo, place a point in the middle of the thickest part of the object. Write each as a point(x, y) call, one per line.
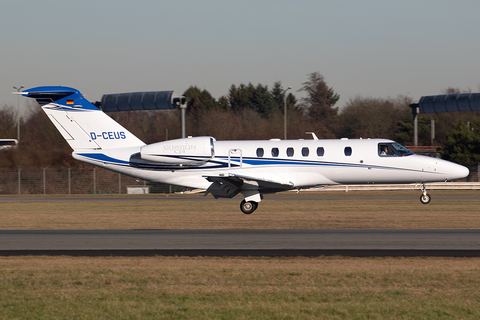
point(459, 172)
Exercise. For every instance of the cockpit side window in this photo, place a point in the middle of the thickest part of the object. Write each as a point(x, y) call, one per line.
point(393, 150)
point(401, 150)
point(384, 150)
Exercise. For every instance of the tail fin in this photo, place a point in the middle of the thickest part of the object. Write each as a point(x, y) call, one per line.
point(83, 125)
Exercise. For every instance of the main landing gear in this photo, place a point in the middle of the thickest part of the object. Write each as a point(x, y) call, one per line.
point(248, 207)
point(425, 198)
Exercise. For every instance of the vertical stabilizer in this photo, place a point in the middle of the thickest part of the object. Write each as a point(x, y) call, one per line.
point(83, 125)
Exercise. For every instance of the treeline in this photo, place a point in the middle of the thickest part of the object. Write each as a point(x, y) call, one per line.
point(249, 112)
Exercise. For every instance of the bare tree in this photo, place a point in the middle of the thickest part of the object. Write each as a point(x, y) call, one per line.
point(8, 122)
point(372, 117)
point(320, 101)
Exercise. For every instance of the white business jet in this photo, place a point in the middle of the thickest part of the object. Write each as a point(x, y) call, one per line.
point(227, 168)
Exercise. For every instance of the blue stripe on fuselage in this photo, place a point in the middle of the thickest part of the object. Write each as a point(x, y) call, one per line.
point(222, 162)
point(102, 157)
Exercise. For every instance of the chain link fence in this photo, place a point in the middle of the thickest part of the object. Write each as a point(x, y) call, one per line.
point(97, 181)
point(75, 181)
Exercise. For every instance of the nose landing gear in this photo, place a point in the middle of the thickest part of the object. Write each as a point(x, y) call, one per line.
point(425, 198)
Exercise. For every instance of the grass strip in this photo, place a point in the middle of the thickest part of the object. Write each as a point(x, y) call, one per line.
point(239, 288)
point(303, 211)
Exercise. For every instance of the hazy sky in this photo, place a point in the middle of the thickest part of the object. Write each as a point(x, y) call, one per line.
point(369, 48)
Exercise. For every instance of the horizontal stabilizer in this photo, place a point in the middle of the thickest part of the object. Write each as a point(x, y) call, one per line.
point(46, 95)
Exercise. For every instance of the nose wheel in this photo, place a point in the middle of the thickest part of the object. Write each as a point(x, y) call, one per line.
point(248, 207)
point(425, 198)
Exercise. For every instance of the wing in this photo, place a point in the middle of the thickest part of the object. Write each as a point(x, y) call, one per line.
point(229, 186)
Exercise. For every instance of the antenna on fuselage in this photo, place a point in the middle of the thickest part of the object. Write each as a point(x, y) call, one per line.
point(314, 136)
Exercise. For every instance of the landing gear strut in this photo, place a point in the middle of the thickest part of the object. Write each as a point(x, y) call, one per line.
point(425, 198)
point(248, 207)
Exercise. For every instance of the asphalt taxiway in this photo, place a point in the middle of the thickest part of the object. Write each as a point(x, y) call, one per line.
point(241, 242)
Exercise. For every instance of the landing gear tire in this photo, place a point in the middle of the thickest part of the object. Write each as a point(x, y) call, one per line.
point(248, 207)
point(425, 198)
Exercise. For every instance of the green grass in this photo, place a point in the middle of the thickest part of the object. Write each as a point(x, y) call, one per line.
point(239, 288)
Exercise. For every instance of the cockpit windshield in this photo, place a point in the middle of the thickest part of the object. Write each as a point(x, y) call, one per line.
point(393, 149)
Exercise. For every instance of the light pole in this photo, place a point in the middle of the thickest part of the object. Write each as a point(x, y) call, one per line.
point(285, 111)
point(18, 112)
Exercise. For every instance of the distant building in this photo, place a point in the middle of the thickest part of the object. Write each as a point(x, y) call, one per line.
point(8, 143)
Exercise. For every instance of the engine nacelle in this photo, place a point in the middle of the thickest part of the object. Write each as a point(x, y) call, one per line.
point(180, 152)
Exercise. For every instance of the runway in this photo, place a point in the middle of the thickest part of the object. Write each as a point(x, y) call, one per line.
point(241, 242)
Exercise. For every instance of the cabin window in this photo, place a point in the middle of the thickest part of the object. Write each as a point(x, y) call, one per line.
point(259, 152)
point(348, 151)
point(320, 151)
point(305, 151)
point(290, 152)
point(275, 152)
